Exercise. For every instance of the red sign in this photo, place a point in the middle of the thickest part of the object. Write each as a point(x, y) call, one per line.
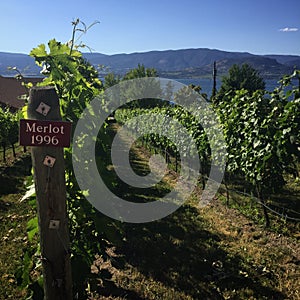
point(45, 133)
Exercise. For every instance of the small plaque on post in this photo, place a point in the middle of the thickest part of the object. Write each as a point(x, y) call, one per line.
point(49, 161)
point(54, 224)
point(43, 109)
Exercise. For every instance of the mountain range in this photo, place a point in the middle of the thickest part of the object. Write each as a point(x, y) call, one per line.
point(183, 63)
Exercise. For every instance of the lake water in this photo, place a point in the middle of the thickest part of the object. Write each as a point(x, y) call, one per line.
point(207, 84)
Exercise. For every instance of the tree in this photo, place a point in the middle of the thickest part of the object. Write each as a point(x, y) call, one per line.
point(110, 80)
point(140, 72)
point(214, 89)
point(241, 77)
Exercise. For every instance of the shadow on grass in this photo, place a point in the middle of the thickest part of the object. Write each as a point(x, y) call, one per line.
point(11, 177)
point(179, 252)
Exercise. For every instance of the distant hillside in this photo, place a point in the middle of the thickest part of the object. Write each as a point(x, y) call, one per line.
point(23, 62)
point(183, 63)
point(289, 60)
point(267, 67)
point(168, 60)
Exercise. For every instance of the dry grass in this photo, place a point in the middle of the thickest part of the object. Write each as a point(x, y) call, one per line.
point(267, 252)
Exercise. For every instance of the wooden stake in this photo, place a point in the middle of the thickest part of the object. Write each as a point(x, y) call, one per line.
point(214, 90)
point(49, 176)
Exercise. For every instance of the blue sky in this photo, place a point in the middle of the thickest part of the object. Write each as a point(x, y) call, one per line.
point(255, 26)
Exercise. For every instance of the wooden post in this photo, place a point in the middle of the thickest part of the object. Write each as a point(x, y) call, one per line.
point(49, 176)
point(214, 89)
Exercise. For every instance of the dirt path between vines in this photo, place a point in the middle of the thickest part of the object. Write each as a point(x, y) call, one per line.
point(213, 252)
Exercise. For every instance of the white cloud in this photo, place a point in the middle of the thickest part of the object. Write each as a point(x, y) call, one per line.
point(288, 29)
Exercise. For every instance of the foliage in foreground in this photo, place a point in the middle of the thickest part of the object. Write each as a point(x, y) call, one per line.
point(9, 130)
